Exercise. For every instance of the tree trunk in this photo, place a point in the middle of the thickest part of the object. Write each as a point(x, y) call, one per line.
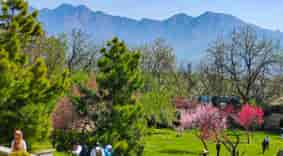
point(217, 152)
point(234, 152)
point(248, 137)
point(204, 144)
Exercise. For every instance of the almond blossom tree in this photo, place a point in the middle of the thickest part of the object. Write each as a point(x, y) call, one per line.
point(247, 117)
point(209, 121)
point(250, 116)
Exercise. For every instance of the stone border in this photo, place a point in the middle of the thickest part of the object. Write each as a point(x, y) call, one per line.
point(5, 151)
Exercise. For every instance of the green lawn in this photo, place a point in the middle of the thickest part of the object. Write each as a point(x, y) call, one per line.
point(166, 143)
point(39, 146)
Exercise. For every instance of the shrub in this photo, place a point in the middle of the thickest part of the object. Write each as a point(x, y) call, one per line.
point(126, 132)
point(63, 140)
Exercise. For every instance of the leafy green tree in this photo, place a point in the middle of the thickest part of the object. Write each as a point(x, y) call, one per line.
point(53, 49)
point(26, 92)
point(158, 107)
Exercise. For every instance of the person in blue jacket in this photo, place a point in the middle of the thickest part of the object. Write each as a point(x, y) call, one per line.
point(108, 150)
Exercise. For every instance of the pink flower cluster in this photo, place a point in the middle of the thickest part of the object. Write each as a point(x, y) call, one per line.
point(209, 120)
point(250, 115)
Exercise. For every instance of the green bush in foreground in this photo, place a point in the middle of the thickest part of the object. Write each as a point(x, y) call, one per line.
point(63, 140)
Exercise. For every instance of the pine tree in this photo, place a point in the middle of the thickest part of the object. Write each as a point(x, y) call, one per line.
point(119, 73)
point(26, 93)
point(119, 78)
point(109, 102)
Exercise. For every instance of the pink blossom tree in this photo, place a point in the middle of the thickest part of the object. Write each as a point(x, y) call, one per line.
point(250, 116)
point(209, 121)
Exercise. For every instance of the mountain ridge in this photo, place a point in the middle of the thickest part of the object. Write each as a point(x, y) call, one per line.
point(189, 36)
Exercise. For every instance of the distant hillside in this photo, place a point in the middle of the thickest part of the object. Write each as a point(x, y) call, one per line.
point(189, 36)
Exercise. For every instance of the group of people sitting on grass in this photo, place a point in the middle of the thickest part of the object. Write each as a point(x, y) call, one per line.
point(98, 150)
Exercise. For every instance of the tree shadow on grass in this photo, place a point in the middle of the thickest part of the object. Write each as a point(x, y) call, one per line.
point(173, 151)
point(159, 133)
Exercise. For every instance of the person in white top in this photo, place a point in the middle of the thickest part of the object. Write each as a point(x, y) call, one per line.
point(77, 149)
point(18, 144)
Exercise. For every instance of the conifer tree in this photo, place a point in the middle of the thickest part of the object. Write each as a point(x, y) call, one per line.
point(119, 73)
point(26, 93)
point(119, 78)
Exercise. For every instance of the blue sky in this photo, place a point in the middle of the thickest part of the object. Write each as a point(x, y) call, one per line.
point(265, 13)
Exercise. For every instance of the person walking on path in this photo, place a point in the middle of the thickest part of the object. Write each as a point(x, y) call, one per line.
point(218, 148)
point(265, 144)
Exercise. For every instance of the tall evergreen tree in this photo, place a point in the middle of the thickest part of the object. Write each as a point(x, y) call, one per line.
point(119, 78)
point(112, 107)
point(26, 94)
point(119, 74)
